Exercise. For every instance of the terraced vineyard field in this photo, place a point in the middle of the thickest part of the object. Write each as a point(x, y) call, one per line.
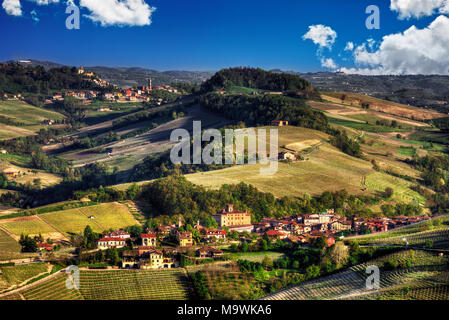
point(426, 271)
point(115, 285)
point(27, 226)
point(15, 275)
point(379, 181)
point(7, 243)
point(134, 285)
point(54, 289)
point(437, 224)
point(439, 238)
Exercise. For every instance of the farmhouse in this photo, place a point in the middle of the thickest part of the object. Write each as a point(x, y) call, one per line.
point(286, 155)
point(149, 239)
point(279, 123)
point(107, 243)
point(45, 246)
point(11, 172)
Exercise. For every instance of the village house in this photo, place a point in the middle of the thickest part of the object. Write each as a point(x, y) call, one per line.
point(118, 234)
point(107, 243)
point(153, 259)
point(185, 239)
point(108, 96)
point(149, 239)
point(3, 151)
point(274, 234)
point(219, 234)
point(208, 252)
point(339, 225)
point(166, 230)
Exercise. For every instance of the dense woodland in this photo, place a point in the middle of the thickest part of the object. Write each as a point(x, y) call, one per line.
point(261, 110)
point(15, 78)
point(257, 79)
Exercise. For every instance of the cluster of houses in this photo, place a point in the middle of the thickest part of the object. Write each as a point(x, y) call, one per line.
point(137, 94)
point(294, 229)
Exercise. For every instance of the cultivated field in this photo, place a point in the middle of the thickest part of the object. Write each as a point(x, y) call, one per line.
point(125, 153)
point(15, 275)
point(31, 226)
point(30, 118)
point(116, 285)
point(383, 106)
point(105, 216)
point(351, 284)
point(9, 247)
point(379, 181)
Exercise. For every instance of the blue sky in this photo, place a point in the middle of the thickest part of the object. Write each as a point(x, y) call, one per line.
point(209, 35)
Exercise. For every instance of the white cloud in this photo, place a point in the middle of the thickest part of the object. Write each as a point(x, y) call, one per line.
point(106, 12)
point(321, 35)
point(349, 46)
point(414, 51)
point(328, 63)
point(419, 8)
point(119, 12)
point(34, 16)
point(12, 7)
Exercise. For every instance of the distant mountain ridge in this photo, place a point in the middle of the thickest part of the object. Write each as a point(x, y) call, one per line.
point(131, 76)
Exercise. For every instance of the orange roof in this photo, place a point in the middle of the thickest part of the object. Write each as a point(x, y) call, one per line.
point(148, 235)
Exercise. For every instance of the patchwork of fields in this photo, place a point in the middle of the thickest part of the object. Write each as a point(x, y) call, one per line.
point(29, 117)
point(58, 225)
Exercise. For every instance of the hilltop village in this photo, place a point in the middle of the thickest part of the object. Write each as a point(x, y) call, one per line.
point(106, 92)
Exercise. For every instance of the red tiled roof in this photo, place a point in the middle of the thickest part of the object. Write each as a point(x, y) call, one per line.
point(44, 245)
point(274, 233)
point(148, 235)
point(111, 239)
